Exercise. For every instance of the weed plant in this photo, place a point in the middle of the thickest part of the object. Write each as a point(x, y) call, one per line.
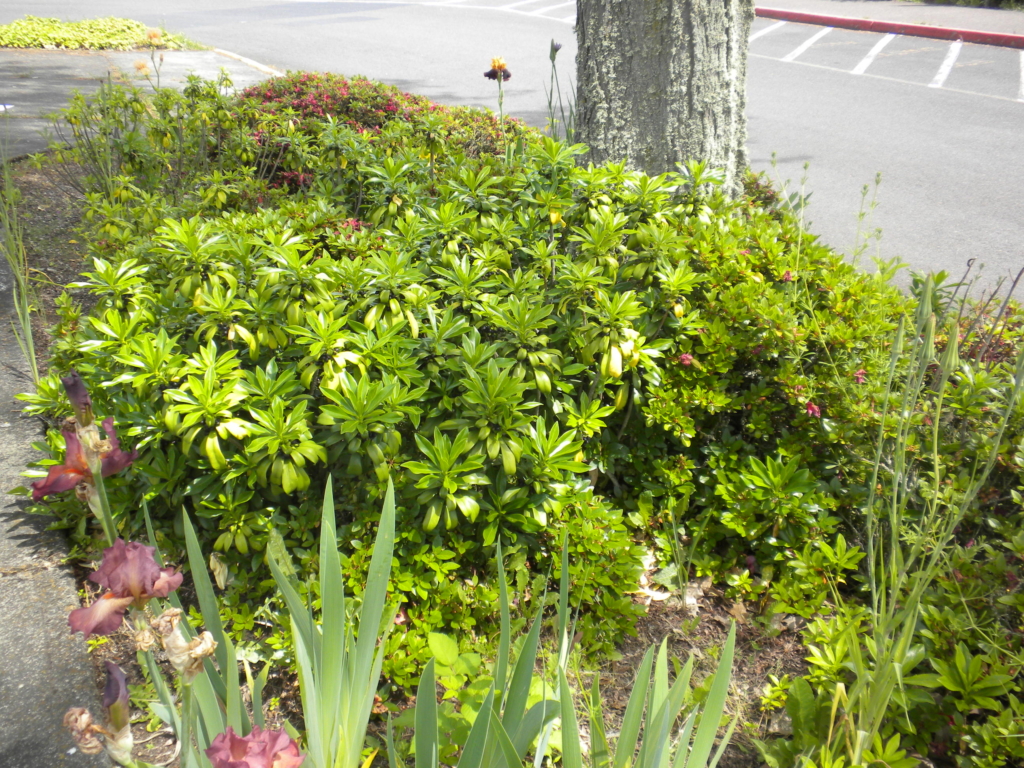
point(12, 244)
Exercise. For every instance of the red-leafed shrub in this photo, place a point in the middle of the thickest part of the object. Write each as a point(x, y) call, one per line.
point(366, 105)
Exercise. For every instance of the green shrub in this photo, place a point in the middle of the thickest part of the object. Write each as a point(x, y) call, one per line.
point(106, 33)
point(364, 294)
point(305, 297)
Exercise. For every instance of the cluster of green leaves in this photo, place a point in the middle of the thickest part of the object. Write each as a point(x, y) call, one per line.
point(940, 628)
point(523, 347)
point(107, 33)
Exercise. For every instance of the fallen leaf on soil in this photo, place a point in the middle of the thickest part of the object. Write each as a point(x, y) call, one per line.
point(739, 612)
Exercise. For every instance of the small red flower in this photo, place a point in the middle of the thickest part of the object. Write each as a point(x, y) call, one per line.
point(686, 359)
point(813, 411)
point(860, 376)
point(787, 276)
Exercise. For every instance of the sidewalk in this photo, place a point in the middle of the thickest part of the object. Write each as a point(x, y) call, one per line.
point(44, 670)
point(990, 20)
point(36, 83)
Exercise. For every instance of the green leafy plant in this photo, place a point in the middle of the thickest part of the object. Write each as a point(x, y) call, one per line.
point(105, 33)
point(339, 661)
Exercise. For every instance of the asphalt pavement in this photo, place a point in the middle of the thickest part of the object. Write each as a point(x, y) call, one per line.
point(950, 155)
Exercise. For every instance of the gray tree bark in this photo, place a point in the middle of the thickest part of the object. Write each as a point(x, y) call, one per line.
point(663, 81)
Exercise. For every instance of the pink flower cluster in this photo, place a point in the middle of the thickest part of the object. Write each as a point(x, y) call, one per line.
point(260, 749)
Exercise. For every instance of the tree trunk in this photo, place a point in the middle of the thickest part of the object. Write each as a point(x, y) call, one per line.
point(663, 81)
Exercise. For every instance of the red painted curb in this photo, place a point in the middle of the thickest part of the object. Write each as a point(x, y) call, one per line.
point(914, 30)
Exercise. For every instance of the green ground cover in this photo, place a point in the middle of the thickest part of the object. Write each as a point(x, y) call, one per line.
point(107, 33)
point(325, 277)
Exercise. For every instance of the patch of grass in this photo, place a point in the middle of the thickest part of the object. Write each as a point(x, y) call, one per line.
point(93, 34)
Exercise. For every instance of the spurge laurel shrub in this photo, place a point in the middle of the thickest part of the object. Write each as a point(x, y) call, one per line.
point(524, 349)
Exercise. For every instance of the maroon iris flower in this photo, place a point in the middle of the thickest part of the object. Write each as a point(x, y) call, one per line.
point(131, 576)
point(115, 697)
point(260, 749)
point(75, 468)
point(81, 403)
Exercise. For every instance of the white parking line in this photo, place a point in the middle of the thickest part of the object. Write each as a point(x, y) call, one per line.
point(947, 64)
point(1021, 96)
point(515, 5)
point(861, 68)
point(807, 44)
point(540, 11)
point(766, 30)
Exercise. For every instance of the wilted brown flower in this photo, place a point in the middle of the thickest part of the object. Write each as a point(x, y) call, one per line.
point(145, 640)
point(78, 720)
point(186, 656)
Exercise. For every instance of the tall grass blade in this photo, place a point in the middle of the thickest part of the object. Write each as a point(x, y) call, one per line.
point(389, 740)
point(522, 675)
point(335, 623)
point(426, 736)
point(714, 706)
point(473, 753)
point(256, 693)
point(377, 578)
point(225, 679)
point(723, 745)
point(302, 626)
point(572, 756)
point(625, 746)
point(600, 754)
point(537, 718)
point(683, 744)
point(508, 752)
point(208, 603)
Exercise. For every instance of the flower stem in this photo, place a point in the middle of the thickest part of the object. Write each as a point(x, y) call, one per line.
point(102, 509)
point(501, 115)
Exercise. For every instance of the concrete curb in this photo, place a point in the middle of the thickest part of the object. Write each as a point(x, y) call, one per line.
point(249, 62)
point(895, 27)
